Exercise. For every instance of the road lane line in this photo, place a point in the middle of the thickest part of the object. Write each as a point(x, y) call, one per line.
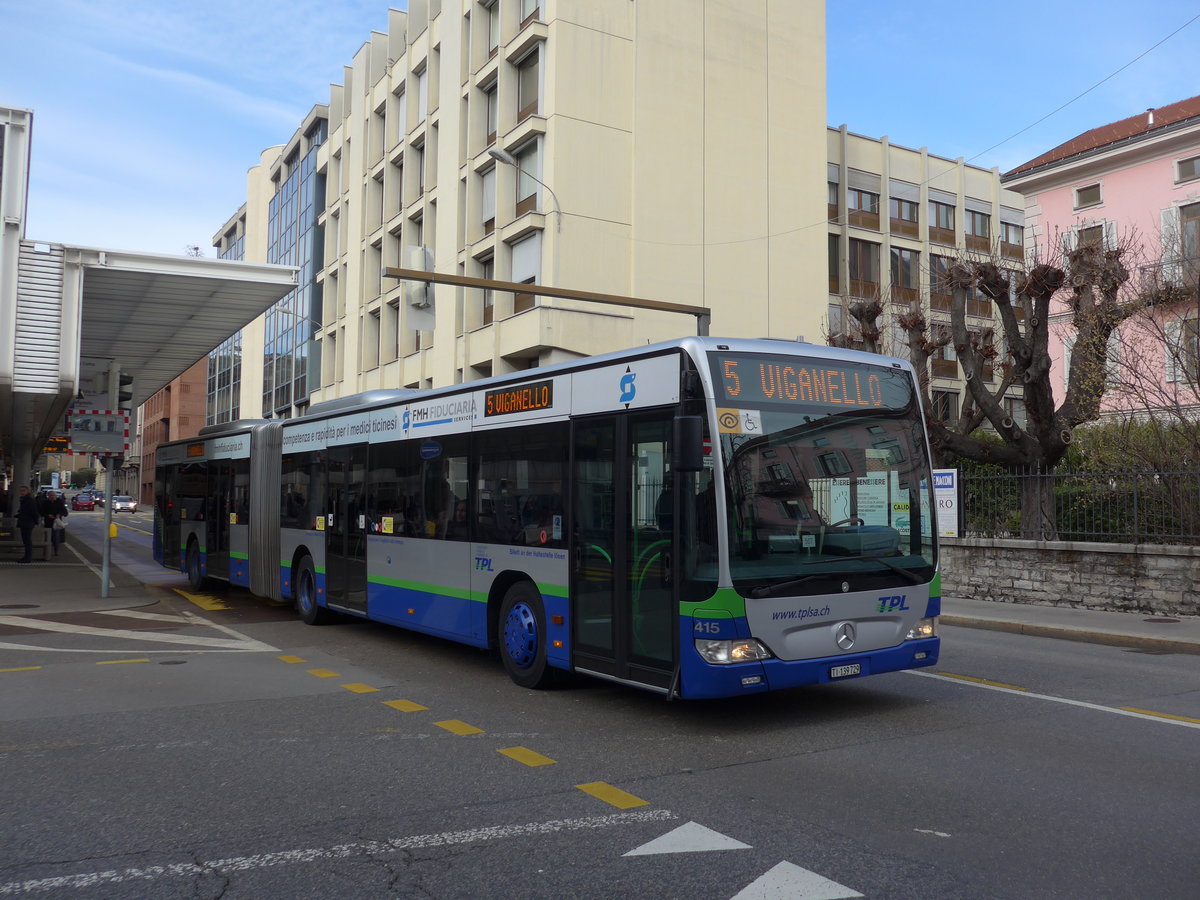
point(611, 795)
point(118, 662)
point(526, 756)
point(293, 659)
point(21, 669)
point(1150, 712)
point(324, 673)
point(234, 864)
point(244, 643)
point(359, 688)
point(975, 680)
point(1114, 710)
point(404, 705)
point(454, 726)
point(206, 602)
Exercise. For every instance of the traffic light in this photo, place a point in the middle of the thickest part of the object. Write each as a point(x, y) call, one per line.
point(120, 387)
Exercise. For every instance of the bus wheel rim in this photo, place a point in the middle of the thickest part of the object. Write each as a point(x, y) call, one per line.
point(521, 635)
point(305, 593)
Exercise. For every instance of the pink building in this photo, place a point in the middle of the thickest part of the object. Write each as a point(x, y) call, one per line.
point(1138, 180)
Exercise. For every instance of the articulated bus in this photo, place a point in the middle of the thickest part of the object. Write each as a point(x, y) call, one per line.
point(702, 518)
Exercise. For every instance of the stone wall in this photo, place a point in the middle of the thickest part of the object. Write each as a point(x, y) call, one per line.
point(1143, 578)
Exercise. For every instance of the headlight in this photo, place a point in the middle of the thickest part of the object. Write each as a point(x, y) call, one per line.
point(725, 652)
point(925, 628)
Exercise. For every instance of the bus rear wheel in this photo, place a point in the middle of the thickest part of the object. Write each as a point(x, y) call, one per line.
point(521, 637)
point(306, 594)
point(195, 574)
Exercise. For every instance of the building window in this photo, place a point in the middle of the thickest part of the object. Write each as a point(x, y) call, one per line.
point(493, 22)
point(487, 269)
point(832, 200)
point(835, 279)
point(864, 268)
point(1012, 235)
point(528, 166)
point(945, 406)
point(488, 200)
point(941, 222)
point(979, 230)
point(1093, 234)
point(526, 266)
point(422, 95)
point(1014, 407)
point(1187, 169)
point(1183, 351)
point(904, 217)
point(905, 274)
point(864, 208)
point(940, 294)
point(943, 361)
point(1087, 196)
point(528, 86)
point(1189, 234)
point(529, 11)
point(491, 100)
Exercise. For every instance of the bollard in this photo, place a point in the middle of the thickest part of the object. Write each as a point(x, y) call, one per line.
point(112, 530)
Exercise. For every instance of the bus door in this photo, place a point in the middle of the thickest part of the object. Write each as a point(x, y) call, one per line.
point(345, 530)
point(623, 602)
point(216, 519)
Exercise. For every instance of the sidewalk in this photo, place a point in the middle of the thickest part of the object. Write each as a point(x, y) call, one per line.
point(71, 583)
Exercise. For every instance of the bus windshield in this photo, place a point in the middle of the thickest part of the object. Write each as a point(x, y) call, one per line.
point(826, 472)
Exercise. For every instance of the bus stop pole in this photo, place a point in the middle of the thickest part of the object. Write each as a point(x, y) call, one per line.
point(106, 565)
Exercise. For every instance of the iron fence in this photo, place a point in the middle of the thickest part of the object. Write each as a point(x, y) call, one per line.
point(1121, 507)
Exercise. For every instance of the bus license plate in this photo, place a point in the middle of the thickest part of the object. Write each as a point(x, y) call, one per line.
point(845, 671)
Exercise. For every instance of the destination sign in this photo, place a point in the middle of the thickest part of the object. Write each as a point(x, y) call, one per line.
point(745, 379)
point(526, 398)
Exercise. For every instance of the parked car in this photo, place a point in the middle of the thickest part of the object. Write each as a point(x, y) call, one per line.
point(122, 503)
point(83, 501)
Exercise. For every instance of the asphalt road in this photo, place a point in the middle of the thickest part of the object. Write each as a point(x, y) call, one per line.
point(234, 752)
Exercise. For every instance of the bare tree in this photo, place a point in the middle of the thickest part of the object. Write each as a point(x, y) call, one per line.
point(194, 251)
point(1095, 286)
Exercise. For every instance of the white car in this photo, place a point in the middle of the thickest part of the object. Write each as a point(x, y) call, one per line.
point(124, 504)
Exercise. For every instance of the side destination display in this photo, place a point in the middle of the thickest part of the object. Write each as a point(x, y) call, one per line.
point(524, 398)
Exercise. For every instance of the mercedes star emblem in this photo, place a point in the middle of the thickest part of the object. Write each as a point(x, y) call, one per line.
point(845, 635)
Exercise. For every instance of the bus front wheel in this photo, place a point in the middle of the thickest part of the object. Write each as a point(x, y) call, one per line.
point(195, 574)
point(521, 637)
point(306, 594)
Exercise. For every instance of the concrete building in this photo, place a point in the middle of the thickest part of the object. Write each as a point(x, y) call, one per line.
point(669, 151)
point(1137, 179)
point(898, 218)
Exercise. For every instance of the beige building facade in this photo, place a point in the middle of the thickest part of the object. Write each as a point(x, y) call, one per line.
point(666, 150)
point(898, 218)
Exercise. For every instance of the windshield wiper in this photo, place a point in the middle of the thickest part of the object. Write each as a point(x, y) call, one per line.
point(768, 590)
point(899, 570)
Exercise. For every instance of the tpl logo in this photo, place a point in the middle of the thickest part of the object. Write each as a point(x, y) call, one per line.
point(483, 564)
point(893, 604)
point(628, 388)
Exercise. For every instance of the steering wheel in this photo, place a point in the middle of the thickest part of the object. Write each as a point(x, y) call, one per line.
point(853, 520)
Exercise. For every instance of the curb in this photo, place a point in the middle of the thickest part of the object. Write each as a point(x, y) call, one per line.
point(1073, 634)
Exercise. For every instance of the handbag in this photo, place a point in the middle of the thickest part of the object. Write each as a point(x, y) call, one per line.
point(59, 525)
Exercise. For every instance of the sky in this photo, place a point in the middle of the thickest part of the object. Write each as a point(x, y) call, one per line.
point(147, 114)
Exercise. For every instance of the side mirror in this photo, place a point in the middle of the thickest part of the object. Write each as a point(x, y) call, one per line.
point(687, 444)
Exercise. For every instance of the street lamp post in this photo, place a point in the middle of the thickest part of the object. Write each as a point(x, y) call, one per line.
point(503, 156)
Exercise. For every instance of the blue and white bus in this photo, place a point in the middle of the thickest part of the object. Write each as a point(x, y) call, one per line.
point(702, 518)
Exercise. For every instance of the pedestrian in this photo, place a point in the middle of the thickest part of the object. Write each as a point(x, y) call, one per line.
point(54, 517)
point(27, 519)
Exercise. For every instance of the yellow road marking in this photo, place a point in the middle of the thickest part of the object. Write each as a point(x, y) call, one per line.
point(454, 726)
point(360, 688)
point(404, 705)
point(293, 659)
point(1011, 687)
point(117, 662)
point(526, 756)
point(324, 673)
point(613, 796)
point(1150, 712)
point(21, 669)
point(204, 601)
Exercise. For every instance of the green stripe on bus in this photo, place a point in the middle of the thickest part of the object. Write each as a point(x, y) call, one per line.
point(242, 556)
point(726, 603)
point(552, 590)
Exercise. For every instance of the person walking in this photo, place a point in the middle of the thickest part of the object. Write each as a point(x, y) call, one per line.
point(27, 519)
point(54, 517)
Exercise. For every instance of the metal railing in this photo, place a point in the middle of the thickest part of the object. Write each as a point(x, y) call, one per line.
point(1113, 507)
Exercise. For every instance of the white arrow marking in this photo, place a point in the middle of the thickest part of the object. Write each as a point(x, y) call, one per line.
point(790, 882)
point(689, 838)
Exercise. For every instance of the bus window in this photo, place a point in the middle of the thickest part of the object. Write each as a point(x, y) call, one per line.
point(520, 478)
